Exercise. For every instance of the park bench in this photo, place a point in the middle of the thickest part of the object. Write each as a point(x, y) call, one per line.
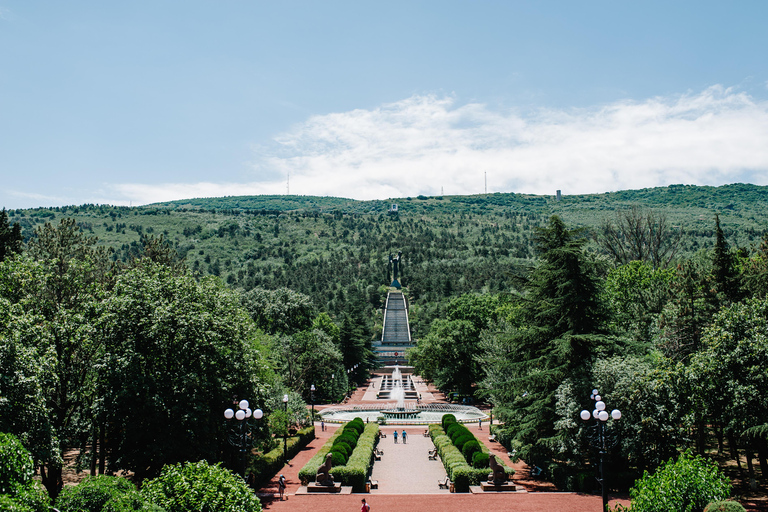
point(444, 484)
point(492, 438)
point(373, 484)
point(382, 434)
point(433, 454)
point(426, 433)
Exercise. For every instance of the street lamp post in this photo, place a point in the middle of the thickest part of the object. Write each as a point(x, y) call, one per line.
point(238, 436)
point(600, 439)
point(312, 397)
point(285, 433)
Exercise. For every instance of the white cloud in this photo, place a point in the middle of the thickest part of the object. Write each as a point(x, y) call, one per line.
point(424, 143)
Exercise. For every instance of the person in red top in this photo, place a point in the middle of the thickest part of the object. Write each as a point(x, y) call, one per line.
point(365, 507)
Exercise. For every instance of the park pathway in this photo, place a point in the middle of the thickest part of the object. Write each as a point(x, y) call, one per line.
point(406, 468)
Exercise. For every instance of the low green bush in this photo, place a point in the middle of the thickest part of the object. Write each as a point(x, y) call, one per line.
point(446, 419)
point(308, 472)
point(343, 448)
point(469, 449)
point(349, 439)
point(93, 493)
point(480, 460)
point(725, 506)
point(685, 485)
point(460, 441)
point(18, 489)
point(201, 487)
point(338, 458)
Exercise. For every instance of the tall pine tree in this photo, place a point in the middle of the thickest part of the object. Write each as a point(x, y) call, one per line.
point(561, 329)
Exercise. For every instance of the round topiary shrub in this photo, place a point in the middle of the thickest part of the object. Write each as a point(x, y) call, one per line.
point(342, 448)
point(462, 440)
point(348, 439)
point(480, 460)
point(201, 487)
point(447, 419)
point(455, 430)
point(469, 449)
point(725, 506)
point(338, 458)
point(92, 493)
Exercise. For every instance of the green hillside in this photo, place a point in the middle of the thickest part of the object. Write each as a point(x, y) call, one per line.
point(333, 248)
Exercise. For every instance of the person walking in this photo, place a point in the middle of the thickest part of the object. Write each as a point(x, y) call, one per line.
point(281, 486)
point(322, 426)
point(403, 436)
point(395, 434)
point(365, 507)
point(480, 424)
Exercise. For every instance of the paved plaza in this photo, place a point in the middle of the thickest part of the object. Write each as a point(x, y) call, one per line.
point(407, 479)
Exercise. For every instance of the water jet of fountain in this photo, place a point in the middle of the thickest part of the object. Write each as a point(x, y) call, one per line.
point(398, 393)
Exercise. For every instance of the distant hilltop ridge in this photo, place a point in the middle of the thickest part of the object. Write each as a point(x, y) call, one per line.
point(723, 197)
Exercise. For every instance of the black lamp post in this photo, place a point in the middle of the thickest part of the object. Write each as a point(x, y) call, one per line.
point(312, 397)
point(599, 438)
point(238, 435)
point(285, 433)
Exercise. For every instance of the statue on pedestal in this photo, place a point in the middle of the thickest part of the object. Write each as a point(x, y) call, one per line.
point(324, 476)
point(395, 263)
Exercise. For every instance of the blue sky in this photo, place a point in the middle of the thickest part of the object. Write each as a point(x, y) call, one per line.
point(137, 102)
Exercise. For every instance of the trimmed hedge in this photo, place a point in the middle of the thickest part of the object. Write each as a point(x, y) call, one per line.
point(308, 472)
point(469, 449)
point(355, 472)
point(266, 466)
point(459, 471)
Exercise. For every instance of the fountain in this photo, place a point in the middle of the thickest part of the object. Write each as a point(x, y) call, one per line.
point(398, 393)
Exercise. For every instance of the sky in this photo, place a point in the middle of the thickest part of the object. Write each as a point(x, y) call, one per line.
point(130, 103)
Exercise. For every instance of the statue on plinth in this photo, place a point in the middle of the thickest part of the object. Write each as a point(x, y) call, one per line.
point(499, 474)
point(324, 476)
point(395, 263)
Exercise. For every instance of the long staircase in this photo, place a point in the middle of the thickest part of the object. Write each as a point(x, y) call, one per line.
point(396, 332)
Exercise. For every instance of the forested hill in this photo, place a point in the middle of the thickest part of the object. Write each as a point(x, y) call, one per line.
point(336, 250)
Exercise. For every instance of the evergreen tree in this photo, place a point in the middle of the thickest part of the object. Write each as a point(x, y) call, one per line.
point(724, 274)
point(10, 237)
point(562, 327)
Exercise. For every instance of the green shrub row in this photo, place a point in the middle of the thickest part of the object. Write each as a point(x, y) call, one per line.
point(308, 472)
point(264, 467)
point(355, 472)
point(456, 466)
point(345, 444)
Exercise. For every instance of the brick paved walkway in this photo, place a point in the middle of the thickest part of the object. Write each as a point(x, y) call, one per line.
point(406, 468)
point(408, 480)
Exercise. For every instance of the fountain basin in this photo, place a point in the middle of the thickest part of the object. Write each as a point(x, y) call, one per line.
point(420, 415)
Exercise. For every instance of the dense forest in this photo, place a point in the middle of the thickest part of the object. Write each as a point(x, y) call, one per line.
point(115, 320)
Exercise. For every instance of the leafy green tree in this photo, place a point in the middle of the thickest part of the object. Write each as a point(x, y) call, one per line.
point(636, 293)
point(201, 487)
point(61, 288)
point(176, 351)
point(280, 311)
point(10, 237)
point(728, 378)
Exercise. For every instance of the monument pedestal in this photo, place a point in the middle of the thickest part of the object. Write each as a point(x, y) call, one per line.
point(491, 487)
point(314, 487)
